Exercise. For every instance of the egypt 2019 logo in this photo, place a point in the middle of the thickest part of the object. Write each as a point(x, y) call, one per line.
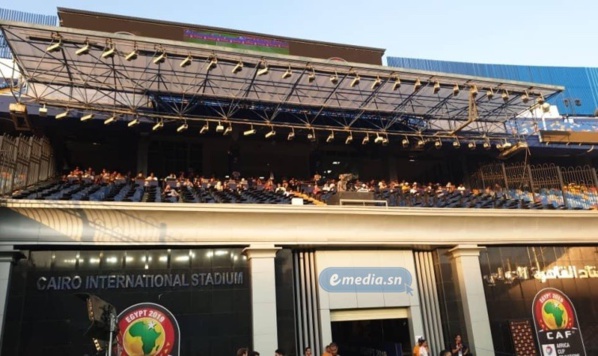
point(148, 329)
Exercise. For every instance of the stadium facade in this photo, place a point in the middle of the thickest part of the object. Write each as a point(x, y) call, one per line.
point(210, 278)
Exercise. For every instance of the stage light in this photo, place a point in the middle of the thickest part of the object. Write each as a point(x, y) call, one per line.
point(473, 90)
point(109, 52)
point(110, 120)
point(87, 117)
point(312, 76)
point(158, 125)
point(376, 83)
point(131, 56)
point(54, 46)
point(334, 78)
point(219, 127)
point(490, 94)
point(546, 107)
point(291, 135)
point(287, 73)
point(228, 130)
point(186, 62)
point(507, 145)
point(330, 137)
point(270, 133)
point(421, 143)
point(540, 99)
point(378, 138)
point(355, 81)
point(525, 98)
point(62, 115)
point(43, 111)
point(436, 87)
point(238, 67)
point(385, 141)
point(160, 58)
point(249, 132)
point(213, 63)
point(312, 136)
point(486, 145)
point(183, 127)
point(133, 122)
point(505, 95)
point(397, 83)
point(438, 144)
point(471, 145)
point(456, 90)
point(499, 146)
point(417, 85)
point(264, 70)
point(366, 139)
point(83, 50)
point(349, 139)
point(405, 142)
point(205, 128)
point(456, 143)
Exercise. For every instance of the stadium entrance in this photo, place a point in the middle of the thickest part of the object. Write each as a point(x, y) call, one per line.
point(382, 333)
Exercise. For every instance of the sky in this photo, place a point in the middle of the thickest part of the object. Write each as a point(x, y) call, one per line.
point(549, 32)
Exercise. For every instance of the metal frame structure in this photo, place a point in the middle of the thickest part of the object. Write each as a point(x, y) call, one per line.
point(160, 81)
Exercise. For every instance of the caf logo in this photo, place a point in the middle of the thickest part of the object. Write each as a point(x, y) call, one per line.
point(148, 329)
point(553, 311)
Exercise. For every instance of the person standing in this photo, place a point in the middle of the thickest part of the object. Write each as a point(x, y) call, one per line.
point(421, 349)
point(458, 348)
point(307, 351)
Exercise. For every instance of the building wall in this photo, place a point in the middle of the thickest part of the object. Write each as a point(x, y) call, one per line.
point(12, 15)
point(580, 82)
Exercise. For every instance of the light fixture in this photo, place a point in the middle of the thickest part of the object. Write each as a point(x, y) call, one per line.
point(287, 73)
point(110, 120)
point(133, 122)
point(405, 142)
point(205, 128)
point(355, 80)
point(471, 145)
point(330, 137)
point(312, 76)
point(385, 140)
point(376, 83)
point(160, 58)
point(540, 99)
point(546, 108)
point(473, 90)
point(349, 139)
point(186, 62)
point(417, 85)
point(238, 67)
point(213, 64)
point(62, 115)
point(421, 143)
point(183, 127)
point(263, 70)
point(490, 94)
point(397, 83)
point(436, 87)
point(499, 146)
point(249, 132)
point(505, 95)
point(133, 55)
point(109, 50)
point(83, 50)
point(378, 138)
point(270, 133)
point(334, 78)
point(438, 144)
point(219, 127)
point(456, 90)
point(291, 135)
point(87, 117)
point(43, 111)
point(54, 46)
point(312, 135)
point(158, 125)
point(486, 144)
point(366, 139)
point(506, 145)
point(456, 143)
point(228, 130)
point(525, 97)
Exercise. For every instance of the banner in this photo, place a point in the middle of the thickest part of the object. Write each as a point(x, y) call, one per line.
point(366, 280)
point(148, 329)
point(557, 326)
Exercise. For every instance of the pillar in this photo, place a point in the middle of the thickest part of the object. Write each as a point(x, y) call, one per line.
point(263, 297)
point(468, 274)
point(7, 258)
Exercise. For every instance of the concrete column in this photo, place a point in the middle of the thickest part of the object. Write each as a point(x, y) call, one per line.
point(466, 267)
point(6, 259)
point(263, 297)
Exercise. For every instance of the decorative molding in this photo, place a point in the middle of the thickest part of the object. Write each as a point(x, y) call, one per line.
point(261, 251)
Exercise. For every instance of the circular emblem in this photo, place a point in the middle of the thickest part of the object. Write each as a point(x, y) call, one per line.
point(146, 332)
point(554, 312)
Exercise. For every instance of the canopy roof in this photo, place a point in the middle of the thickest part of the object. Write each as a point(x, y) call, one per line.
point(139, 77)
